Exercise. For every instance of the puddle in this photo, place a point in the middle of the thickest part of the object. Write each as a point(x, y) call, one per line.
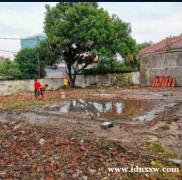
point(152, 114)
point(104, 110)
point(113, 110)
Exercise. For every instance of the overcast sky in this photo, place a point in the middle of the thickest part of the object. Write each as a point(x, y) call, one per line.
point(149, 20)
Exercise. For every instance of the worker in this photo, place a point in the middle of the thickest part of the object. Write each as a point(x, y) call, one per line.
point(36, 86)
point(65, 81)
point(41, 91)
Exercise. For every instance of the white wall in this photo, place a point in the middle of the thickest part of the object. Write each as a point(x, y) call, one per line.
point(17, 86)
point(136, 78)
point(113, 79)
point(54, 75)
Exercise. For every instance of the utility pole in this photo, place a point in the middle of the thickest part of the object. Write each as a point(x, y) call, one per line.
point(38, 59)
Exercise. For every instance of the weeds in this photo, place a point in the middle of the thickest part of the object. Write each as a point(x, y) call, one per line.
point(155, 147)
point(163, 128)
point(27, 103)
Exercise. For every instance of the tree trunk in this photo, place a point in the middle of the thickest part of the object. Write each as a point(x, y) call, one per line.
point(72, 82)
point(71, 78)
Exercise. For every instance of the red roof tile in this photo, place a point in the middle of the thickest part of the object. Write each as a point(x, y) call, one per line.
point(160, 46)
point(95, 59)
point(1, 59)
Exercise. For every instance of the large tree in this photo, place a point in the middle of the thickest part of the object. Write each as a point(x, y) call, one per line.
point(79, 28)
point(28, 61)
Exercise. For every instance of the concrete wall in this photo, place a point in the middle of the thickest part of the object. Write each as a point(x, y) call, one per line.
point(106, 80)
point(121, 79)
point(167, 64)
point(17, 86)
point(54, 75)
point(135, 78)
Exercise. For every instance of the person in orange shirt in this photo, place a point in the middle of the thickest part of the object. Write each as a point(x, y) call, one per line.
point(65, 81)
point(41, 91)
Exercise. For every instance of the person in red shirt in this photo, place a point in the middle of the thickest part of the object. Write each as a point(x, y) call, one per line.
point(37, 86)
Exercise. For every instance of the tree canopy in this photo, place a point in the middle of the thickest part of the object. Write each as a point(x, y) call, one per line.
point(9, 69)
point(76, 29)
point(28, 64)
point(48, 54)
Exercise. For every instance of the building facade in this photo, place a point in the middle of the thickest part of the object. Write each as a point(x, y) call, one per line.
point(32, 41)
point(161, 59)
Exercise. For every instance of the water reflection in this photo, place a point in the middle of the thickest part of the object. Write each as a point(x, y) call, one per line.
point(125, 109)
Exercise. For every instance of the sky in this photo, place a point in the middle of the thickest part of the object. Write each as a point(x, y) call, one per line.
point(150, 21)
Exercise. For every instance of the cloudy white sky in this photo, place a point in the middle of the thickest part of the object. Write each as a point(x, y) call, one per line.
point(149, 20)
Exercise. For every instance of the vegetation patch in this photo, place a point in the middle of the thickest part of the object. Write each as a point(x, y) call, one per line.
point(164, 127)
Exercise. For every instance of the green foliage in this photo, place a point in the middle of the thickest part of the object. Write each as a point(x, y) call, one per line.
point(9, 69)
point(168, 46)
point(144, 45)
point(48, 54)
point(25, 65)
point(110, 66)
point(27, 103)
point(76, 28)
point(28, 61)
point(156, 147)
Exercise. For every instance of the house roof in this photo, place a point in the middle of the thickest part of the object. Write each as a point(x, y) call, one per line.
point(1, 59)
point(160, 46)
point(95, 59)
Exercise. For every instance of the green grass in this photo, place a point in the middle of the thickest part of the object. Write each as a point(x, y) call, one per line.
point(28, 103)
point(155, 147)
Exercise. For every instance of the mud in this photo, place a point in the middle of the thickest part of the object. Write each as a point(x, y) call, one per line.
point(149, 110)
point(111, 110)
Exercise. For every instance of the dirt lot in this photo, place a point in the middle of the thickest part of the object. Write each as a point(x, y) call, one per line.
point(63, 139)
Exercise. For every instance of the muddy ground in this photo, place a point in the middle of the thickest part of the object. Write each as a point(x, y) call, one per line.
point(140, 116)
